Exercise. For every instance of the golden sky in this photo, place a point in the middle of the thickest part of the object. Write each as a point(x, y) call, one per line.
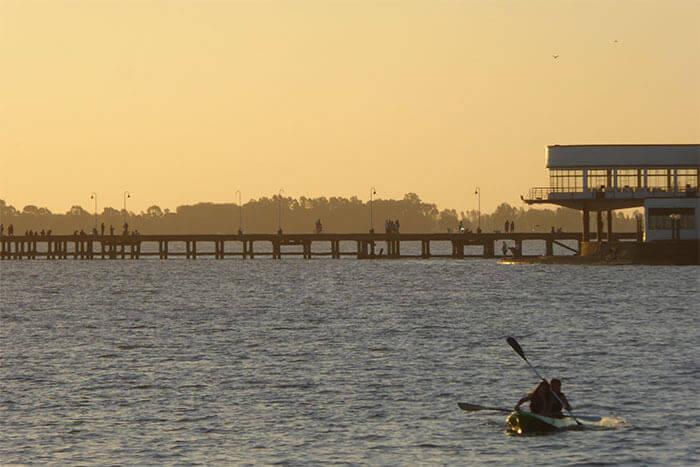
point(186, 101)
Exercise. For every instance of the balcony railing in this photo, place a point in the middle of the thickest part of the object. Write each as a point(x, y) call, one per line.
point(546, 193)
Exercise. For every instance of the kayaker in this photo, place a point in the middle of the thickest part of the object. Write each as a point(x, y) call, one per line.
point(539, 399)
point(555, 407)
point(543, 402)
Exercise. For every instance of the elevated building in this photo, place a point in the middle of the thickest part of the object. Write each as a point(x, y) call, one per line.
point(661, 178)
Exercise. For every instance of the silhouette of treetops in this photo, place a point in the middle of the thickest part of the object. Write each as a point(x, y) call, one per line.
point(337, 214)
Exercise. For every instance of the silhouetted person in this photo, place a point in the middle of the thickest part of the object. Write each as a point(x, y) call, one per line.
point(111, 230)
point(94, 231)
point(553, 230)
point(11, 230)
point(48, 233)
point(126, 228)
point(396, 225)
point(555, 407)
point(461, 226)
point(506, 226)
point(102, 229)
point(75, 233)
point(542, 400)
point(319, 226)
point(2, 229)
point(43, 233)
point(512, 227)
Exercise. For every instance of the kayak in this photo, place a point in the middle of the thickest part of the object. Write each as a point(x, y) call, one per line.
point(525, 423)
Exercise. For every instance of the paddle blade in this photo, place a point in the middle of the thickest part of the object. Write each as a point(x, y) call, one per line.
point(513, 343)
point(469, 407)
point(474, 407)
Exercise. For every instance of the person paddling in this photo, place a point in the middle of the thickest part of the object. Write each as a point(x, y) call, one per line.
point(542, 400)
point(555, 407)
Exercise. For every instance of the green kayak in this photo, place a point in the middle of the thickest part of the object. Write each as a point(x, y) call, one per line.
point(526, 423)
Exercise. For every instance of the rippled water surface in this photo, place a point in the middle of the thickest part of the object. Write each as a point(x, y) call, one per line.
point(326, 361)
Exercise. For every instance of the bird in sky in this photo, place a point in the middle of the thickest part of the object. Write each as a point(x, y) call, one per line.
point(555, 56)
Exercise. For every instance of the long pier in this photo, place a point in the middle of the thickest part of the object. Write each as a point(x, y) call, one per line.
point(366, 245)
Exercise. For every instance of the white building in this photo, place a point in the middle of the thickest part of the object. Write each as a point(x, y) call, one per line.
point(662, 178)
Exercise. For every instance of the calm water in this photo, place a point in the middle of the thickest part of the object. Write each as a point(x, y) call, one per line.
point(324, 361)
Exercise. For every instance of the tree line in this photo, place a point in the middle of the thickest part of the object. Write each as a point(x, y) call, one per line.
point(266, 215)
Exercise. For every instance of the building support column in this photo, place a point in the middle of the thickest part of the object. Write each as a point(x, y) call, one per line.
point(586, 225)
point(610, 226)
point(599, 225)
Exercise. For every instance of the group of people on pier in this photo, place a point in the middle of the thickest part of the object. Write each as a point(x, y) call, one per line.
point(509, 226)
point(391, 226)
point(76, 233)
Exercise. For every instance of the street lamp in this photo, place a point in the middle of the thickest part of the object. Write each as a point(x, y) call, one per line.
point(94, 196)
point(279, 219)
point(372, 192)
point(477, 192)
point(675, 226)
point(126, 195)
point(240, 213)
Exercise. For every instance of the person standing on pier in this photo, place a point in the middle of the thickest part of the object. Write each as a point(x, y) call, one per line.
point(506, 226)
point(111, 230)
point(10, 230)
point(102, 229)
point(512, 227)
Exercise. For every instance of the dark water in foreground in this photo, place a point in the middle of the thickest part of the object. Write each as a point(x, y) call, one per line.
point(323, 361)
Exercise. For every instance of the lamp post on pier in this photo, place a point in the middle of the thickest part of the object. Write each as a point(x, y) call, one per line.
point(240, 213)
point(372, 192)
point(477, 192)
point(94, 196)
point(279, 217)
point(126, 195)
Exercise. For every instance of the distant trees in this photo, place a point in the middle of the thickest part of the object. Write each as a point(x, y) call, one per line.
point(337, 215)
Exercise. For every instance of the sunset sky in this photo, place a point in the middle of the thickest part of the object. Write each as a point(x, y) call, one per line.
point(181, 102)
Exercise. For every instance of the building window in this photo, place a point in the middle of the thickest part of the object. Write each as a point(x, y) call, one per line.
point(687, 179)
point(660, 218)
point(627, 178)
point(660, 179)
point(598, 179)
point(566, 181)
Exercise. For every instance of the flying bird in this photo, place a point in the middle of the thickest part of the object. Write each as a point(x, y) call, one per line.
point(555, 56)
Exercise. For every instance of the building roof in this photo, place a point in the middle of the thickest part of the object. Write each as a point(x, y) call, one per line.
point(623, 155)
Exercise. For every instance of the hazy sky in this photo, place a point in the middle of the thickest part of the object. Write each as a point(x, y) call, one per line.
point(181, 102)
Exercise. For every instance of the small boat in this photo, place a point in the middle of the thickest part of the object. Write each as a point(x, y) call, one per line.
point(526, 423)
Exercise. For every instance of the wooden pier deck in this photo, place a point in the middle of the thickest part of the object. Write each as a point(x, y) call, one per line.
point(247, 246)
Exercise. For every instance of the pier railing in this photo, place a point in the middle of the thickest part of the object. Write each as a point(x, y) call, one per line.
point(248, 246)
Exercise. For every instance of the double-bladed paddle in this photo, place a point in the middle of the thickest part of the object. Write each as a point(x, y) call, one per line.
point(519, 350)
point(474, 407)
